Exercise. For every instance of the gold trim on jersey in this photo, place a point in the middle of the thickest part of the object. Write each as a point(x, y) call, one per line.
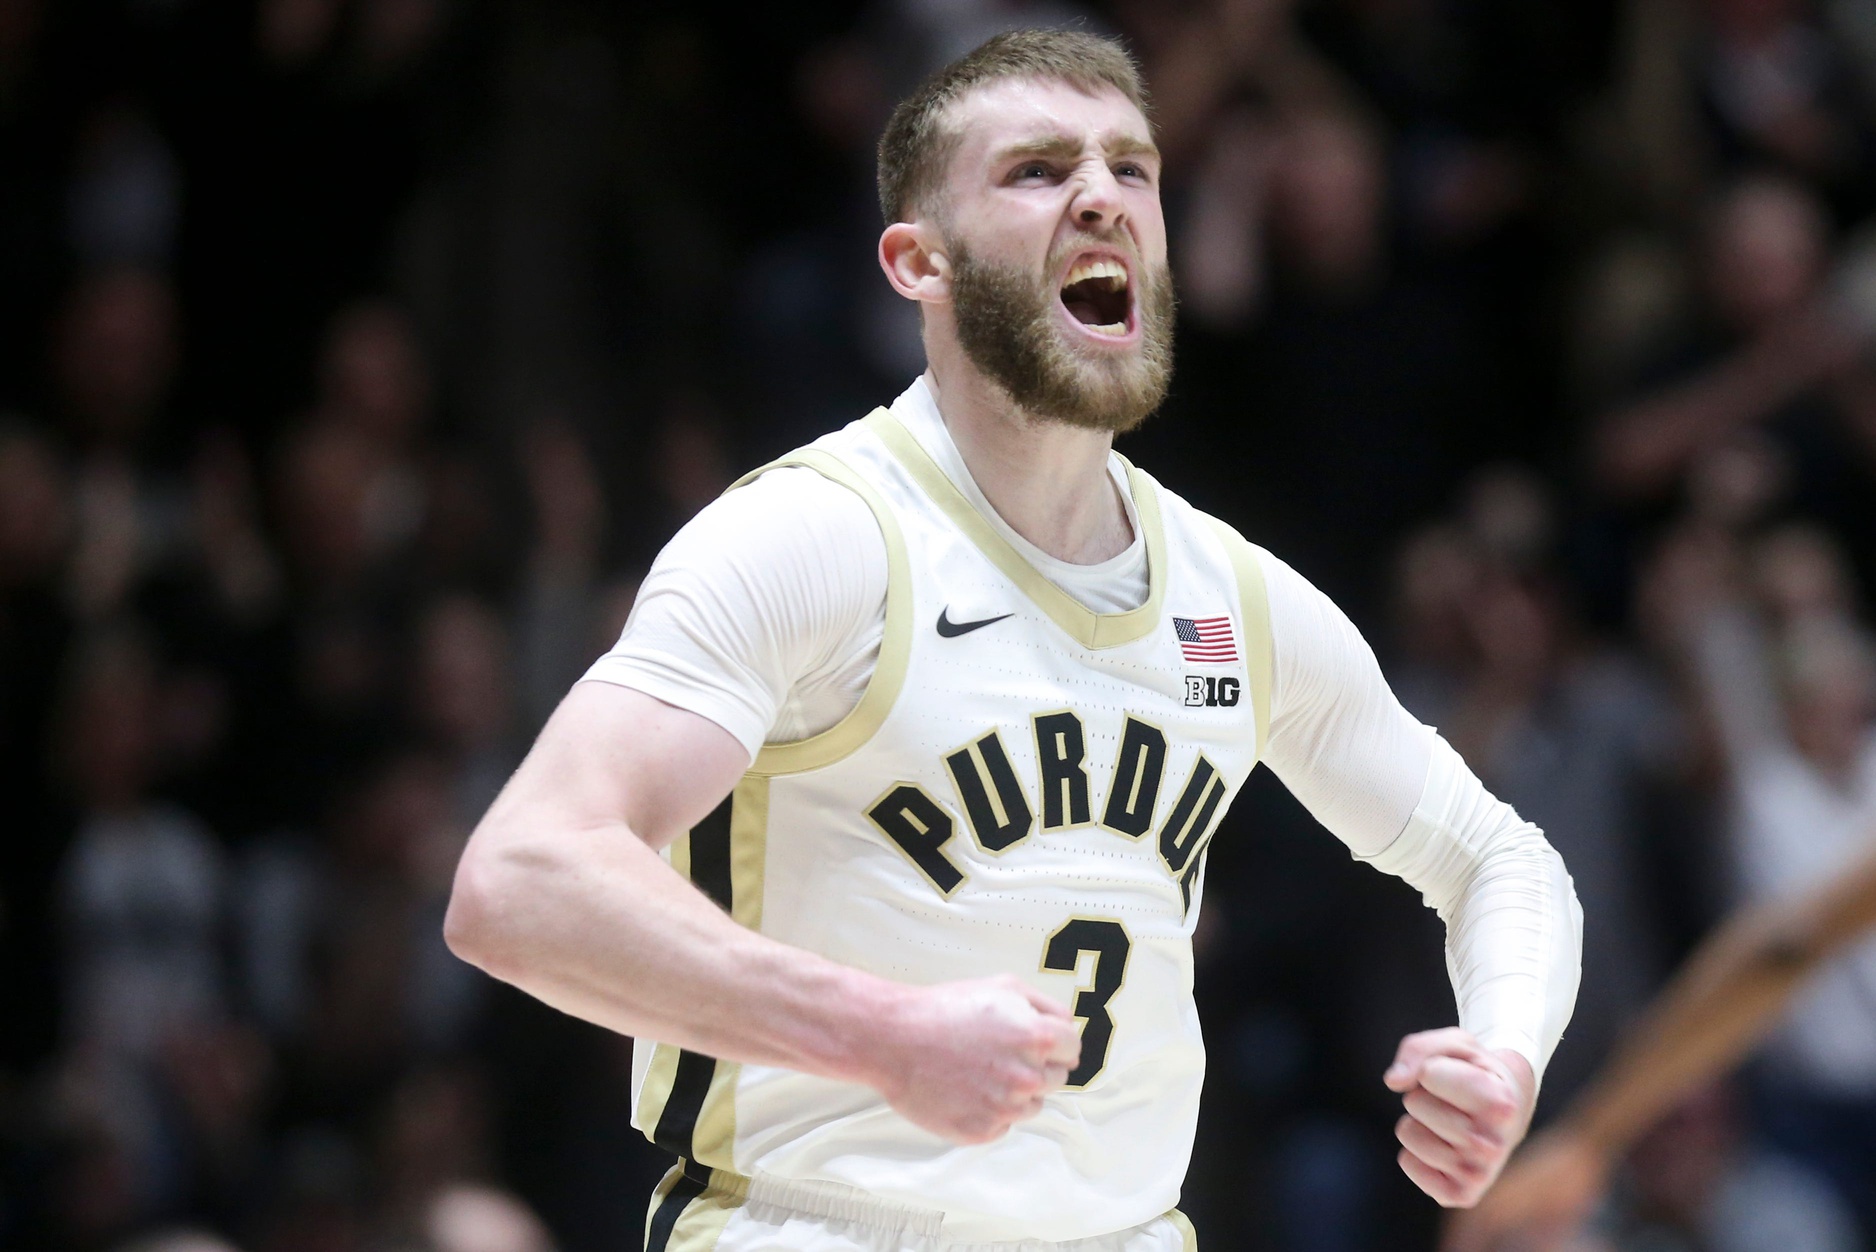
point(1086, 627)
point(701, 1226)
point(660, 1074)
point(710, 1114)
point(1183, 1225)
point(1254, 601)
point(705, 1209)
point(749, 848)
point(846, 736)
point(715, 1136)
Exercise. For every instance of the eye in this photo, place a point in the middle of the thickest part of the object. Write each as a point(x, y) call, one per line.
point(1131, 169)
point(1032, 169)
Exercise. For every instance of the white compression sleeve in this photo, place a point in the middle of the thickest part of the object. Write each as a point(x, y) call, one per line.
point(1404, 802)
point(1514, 929)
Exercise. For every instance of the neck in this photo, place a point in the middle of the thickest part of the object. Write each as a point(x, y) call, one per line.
point(1047, 480)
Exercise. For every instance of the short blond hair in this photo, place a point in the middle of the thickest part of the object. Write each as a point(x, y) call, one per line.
point(917, 143)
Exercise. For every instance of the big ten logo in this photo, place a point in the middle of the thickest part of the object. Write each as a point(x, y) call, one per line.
point(1212, 693)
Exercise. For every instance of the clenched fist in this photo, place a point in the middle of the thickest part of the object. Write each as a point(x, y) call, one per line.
point(1467, 1108)
point(968, 1060)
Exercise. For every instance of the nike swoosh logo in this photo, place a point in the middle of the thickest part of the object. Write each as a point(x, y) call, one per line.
point(949, 629)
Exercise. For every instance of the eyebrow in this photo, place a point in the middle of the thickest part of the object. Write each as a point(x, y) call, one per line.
point(1062, 147)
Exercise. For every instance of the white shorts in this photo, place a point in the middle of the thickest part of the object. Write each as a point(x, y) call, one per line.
point(701, 1210)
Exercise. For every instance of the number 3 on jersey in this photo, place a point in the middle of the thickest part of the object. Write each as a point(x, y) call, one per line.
point(1109, 943)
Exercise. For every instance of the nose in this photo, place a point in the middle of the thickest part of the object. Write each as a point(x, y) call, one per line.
point(1097, 199)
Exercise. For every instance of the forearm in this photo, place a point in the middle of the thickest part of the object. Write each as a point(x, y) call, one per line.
point(1731, 992)
point(595, 923)
point(1403, 801)
point(1513, 925)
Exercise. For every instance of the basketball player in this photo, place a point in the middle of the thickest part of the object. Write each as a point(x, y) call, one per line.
point(883, 828)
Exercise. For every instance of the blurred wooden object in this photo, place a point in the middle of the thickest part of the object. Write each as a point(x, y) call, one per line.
point(1729, 995)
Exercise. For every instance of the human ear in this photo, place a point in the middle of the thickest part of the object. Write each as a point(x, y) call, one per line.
point(914, 259)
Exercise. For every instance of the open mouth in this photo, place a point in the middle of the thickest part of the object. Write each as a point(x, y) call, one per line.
point(1095, 294)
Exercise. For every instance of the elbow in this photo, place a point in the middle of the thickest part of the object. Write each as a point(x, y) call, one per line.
point(477, 926)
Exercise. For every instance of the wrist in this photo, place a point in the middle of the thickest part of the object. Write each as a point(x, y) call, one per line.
point(1523, 1076)
point(1522, 1071)
point(858, 1042)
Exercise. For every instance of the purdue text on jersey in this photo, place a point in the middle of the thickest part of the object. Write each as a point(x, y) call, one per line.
point(1033, 798)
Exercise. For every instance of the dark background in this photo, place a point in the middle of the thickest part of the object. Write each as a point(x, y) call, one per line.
point(356, 356)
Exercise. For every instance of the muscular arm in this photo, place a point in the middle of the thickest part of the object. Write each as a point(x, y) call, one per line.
point(561, 891)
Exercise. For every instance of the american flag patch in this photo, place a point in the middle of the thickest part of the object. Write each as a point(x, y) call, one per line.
point(1206, 639)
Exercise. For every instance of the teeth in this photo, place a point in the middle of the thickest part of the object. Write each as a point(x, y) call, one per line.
point(1110, 328)
point(1097, 267)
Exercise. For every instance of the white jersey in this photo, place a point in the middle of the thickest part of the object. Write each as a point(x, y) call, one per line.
point(1025, 787)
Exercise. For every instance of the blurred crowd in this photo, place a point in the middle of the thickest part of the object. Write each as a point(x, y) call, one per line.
point(356, 355)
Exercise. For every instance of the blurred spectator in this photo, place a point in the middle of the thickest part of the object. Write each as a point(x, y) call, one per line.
point(1697, 1181)
point(432, 1141)
point(126, 197)
point(1776, 90)
point(141, 912)
point(1771, 369)
point(464, 704)
point(115, 358)
point(373, 388)
point(1378, 369)
point(35, 525)
point(1715, 89)
point(1789, 681)
point(383, 987)
point(143, 890)
point(1761, 346)
point(558, 626)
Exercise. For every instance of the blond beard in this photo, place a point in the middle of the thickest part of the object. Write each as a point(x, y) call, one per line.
point(1006, 323)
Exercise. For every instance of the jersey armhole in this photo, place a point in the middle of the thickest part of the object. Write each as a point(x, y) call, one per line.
point(846, 736)
point(1254, 614)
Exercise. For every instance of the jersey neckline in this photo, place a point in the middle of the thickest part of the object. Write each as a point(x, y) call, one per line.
point(1090, 629)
